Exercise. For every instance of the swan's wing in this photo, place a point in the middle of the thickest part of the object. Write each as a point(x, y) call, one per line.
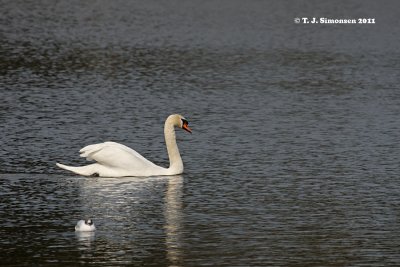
point(113, 154)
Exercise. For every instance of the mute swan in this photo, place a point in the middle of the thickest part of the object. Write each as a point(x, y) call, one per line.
point(117, 160)
point(85, 226)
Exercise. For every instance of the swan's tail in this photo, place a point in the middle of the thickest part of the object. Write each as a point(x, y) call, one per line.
point(88, 170)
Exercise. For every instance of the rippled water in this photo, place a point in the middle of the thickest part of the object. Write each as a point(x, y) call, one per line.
point(294, 155)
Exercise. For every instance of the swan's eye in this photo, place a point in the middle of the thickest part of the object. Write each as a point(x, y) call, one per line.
point(184, 122)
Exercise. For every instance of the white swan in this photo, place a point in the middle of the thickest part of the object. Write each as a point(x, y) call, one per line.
point(85, 226)
point(116, 160)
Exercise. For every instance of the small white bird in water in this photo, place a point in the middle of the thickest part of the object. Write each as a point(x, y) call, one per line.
point(85, 226)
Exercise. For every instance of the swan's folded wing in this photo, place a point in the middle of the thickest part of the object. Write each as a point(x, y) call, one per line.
point(115, 155)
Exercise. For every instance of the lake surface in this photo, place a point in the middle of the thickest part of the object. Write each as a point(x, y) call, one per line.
point(295, 150)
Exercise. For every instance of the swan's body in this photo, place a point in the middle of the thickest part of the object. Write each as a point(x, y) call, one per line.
point(117, 160)
point(85, 226)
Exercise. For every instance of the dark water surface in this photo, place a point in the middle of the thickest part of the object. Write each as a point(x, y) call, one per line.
point(295, 150)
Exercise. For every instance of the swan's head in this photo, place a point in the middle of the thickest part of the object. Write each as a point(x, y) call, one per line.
point(88, 222)
point(179, 121)
point(184, 125)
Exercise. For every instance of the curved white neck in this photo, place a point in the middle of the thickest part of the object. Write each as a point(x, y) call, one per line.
point(175, 160)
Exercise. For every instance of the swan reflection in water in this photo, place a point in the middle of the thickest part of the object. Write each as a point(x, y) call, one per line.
point(173, 218)
point(127, 212)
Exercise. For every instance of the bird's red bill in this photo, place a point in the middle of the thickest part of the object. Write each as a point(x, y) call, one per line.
point(186, 128)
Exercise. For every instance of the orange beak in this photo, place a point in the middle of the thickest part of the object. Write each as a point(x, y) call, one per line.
point(186, 127)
